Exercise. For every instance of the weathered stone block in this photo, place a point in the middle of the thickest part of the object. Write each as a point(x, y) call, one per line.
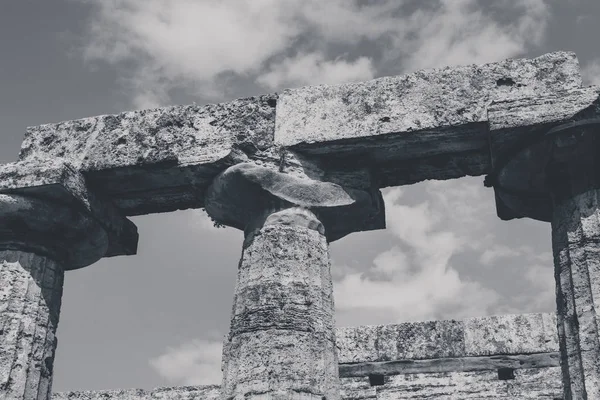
point(160, 159)
point(420, 101)
point(433, 339)
point(505, 334)
point(357, 344)
point(59, 182)
point(436, 118)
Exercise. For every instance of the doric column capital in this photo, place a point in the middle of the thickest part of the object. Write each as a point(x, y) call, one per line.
point(548, 166)
point(49, 210)
point(245, 195)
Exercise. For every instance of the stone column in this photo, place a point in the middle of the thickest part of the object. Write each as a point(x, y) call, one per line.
point(281, 343)
point(39, 239)
point(556, 178)
point(576, 247)
point(573, 177)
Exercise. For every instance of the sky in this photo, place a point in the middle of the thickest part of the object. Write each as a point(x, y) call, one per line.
point(158, 318)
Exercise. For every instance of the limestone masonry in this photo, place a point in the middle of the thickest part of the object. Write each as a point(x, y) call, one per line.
point(296, 171)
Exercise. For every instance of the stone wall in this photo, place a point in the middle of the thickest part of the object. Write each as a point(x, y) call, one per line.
point(498, 357)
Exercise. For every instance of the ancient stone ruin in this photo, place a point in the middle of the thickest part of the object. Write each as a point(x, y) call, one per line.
point(297, 170)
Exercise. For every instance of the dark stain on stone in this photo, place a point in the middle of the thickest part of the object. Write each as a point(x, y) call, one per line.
point(505, 82)
point(272, 102)
point(376, 380)
point(384, 119)
point(506, 374)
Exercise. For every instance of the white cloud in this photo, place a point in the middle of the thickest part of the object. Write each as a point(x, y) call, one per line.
point(496, 252)
point(420, 282)
point(419, 278)
point(194, 44)
point(460, 32)
point(197, 362)
point(591, 72)
point(312, 68)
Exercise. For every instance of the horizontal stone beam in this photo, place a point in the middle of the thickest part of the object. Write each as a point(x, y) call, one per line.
point(159, 159)
point(472, 337)
point(518, 127)
point(430, 124)
point(452, 364)
point(58, 182)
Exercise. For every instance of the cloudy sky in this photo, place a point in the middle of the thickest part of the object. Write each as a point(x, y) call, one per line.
point(157, 319)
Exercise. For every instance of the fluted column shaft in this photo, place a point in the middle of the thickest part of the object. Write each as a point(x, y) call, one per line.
point(576, 247)
point(30, 298)
point(282, 340)
point(39, 240)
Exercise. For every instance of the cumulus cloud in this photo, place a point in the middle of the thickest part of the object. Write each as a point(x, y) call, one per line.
point(196, 46)
point(421, 278)
point(303, 68)
point(197, 362)
point(590, 72)
point(416, 279)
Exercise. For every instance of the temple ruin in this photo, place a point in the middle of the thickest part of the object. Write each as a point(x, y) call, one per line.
point(295, 171)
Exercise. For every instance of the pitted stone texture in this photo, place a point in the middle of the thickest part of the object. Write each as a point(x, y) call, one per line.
point(423, 100)
point(576, 247)
point(505, 334)
point(282, 340)
point(30, 299)
point(543, 383)
point(162, 159)
point(244, 195)
point(430, 124)
point(58, 182)
point(184, 134)
point(42, 227)
point(508, 334)
point(210, 392)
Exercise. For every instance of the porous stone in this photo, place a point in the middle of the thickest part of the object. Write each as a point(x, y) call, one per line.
point(30, 297)
point(527, 384)
point(436, 118)
point(245, 194)
point(209, 392)
point(357, 343)
point(58, 182)
point(505, 334)
point(575, 242)
point(161, 159)
point(282, 340)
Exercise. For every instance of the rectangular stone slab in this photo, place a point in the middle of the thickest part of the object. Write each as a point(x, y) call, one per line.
point(57, 181)
point(430, 124)
point(481, 336)
point(160, 159)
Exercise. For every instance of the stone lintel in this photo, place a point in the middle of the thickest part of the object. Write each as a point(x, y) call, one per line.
point(431, 124)
point(60, 183)
point(162, 159)
point(521, 146)
point(451, 364)
point(472, 337)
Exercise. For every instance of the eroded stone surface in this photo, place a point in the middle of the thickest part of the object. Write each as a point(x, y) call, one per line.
point(30, 298)
point(160, 159)
point(282, 340)
point(210, 392)
point(437, 119)
point(57, 182)
point(245, 194)
point(428, 99)
point(505, 334)
point(575, 239)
